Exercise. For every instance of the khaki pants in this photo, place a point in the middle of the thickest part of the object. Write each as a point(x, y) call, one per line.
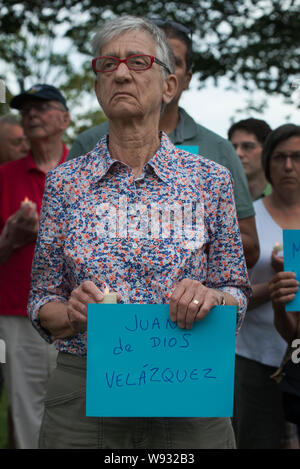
point(65, 424)
point(29, 363)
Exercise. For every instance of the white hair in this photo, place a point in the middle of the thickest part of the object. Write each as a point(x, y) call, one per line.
point(122, 24)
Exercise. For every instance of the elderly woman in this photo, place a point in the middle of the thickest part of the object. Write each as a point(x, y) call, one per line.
point(77, 256)
point(259, 419)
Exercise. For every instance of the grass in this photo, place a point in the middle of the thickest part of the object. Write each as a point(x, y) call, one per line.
point(3, 420)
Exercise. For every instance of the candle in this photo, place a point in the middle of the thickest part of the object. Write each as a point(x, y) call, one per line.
point(109, 297)
point(26, 201)
point(278, 248)
point(27, 205)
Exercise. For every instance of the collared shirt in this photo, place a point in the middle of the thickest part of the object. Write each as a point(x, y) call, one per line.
point(19, 179)
point(218, 149)
point(99, 223)
point(188, 133)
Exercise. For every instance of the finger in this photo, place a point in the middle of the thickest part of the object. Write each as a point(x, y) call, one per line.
point(284, 299)
point(283, 275)
point(187, 309)
point(283, 292)
point(119, 297)
point(76, 303)
point(94, 293)
point(174, 300)
point(276, 285)
point(208, 303)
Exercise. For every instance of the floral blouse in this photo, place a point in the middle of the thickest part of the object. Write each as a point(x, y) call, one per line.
point(136, 236)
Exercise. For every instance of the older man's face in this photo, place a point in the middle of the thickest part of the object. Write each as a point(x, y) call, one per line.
point(44, 119)
point(13, 143)
point(124, 93)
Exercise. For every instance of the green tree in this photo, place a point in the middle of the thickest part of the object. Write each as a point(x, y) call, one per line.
point(254, 43)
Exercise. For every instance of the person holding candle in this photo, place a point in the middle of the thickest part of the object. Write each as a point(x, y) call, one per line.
point(258, 416)
point(29, 359)
point(80, 251)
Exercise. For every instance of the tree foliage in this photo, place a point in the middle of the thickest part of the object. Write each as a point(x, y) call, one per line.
point(254, 43)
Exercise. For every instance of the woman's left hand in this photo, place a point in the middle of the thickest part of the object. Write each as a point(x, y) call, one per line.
point(191, 301)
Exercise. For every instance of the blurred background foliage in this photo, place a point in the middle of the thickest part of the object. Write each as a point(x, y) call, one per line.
point(254, 43)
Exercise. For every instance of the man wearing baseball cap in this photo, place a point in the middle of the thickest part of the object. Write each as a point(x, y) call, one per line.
point(29, 359)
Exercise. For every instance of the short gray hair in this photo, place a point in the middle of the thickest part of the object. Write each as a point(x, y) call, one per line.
point(9, 119)
point(122, 24)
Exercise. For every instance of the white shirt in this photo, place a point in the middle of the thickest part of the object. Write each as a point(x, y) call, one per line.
point(258, 339)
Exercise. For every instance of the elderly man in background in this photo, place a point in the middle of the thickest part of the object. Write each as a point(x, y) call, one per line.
point(29, 359)
point(13, 143)
point(184, 131)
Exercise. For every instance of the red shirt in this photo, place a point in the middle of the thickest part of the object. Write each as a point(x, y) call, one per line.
point(19, 179)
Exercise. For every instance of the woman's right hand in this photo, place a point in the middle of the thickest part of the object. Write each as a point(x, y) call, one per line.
point(86, 293)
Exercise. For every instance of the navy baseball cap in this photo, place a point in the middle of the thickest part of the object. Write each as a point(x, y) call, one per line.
point(39, 91)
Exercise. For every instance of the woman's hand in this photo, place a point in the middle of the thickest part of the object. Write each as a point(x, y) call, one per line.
point(191, 301)
point(64, 320)
point(86, 293)
point(283, 287)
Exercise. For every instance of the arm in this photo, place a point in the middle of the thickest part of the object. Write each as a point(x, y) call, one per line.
point(49, 282)
point(6, 248)
point(63, 320)
point(249, 240)
point(261, 292)
point(260, 295)
point(56, 310)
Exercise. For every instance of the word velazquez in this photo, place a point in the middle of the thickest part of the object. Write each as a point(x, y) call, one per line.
point(154, 374)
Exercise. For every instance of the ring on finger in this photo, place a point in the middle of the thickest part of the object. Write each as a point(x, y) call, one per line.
point(196, 302)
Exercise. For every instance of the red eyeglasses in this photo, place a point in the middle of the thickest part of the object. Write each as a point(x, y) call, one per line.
point(137, 63)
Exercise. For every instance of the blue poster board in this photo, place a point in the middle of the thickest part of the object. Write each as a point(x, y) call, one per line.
point(291, 253)
point(140, 364)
